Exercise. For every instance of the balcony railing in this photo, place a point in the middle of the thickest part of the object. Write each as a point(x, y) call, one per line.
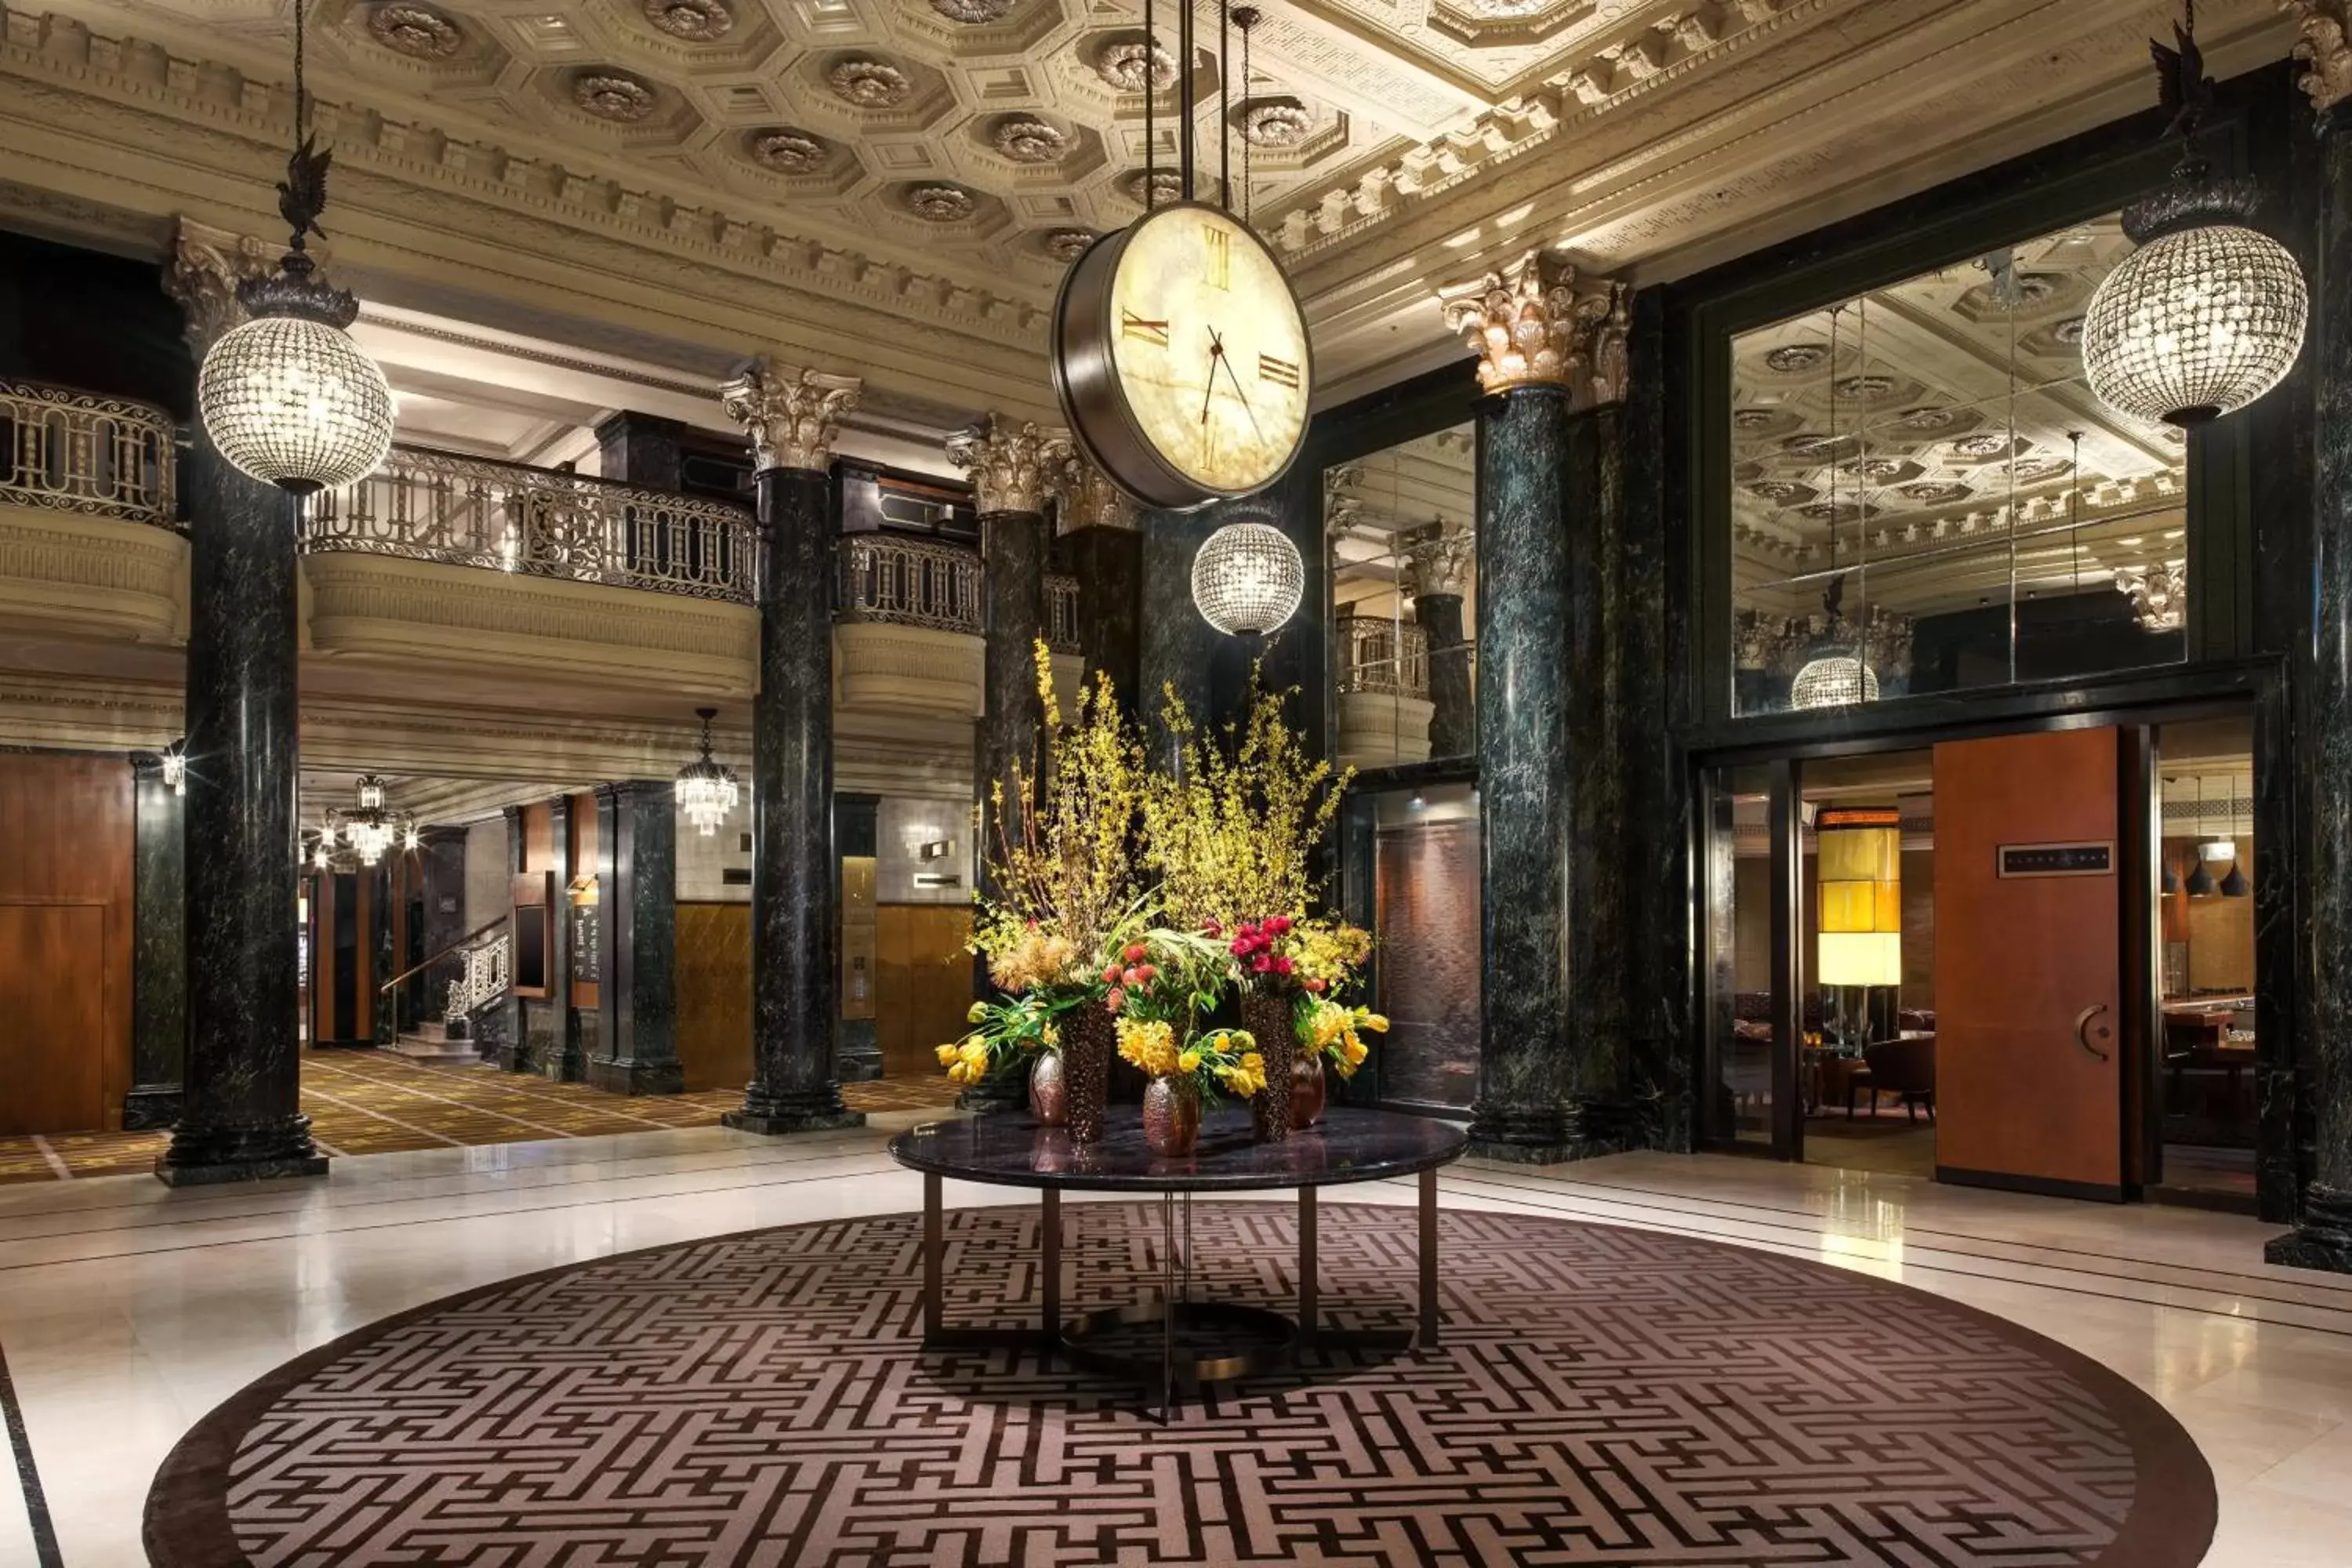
point(74, 451)
point(1379, 655)
point(910, 582)
point(1062, 614)
point(470, 511)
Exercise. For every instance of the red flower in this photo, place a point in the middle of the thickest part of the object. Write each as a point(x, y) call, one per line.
point(1135, 953)
point(1147, 973)
point(1132, 977)
point(1110, 975)
point(1278, 924)
point(1115, 1000)
point(1281, 964)
point(1260, 964)
point(1241, 947)
point(1313, 984)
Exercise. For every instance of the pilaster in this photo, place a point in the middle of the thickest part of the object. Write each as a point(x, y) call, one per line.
point(636, 852)
point(158, 960)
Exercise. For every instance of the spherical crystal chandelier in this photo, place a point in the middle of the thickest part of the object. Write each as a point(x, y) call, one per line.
point(288, 396)
point(2207, 313)
point(1833, 680)
point(1247, 578)
point(706, 786)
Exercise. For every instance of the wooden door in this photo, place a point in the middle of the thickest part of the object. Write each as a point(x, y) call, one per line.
point(2029, 966)
point(53, 999)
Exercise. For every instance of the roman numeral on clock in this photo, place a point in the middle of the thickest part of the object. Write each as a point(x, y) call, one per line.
point(1131, 325)
point(1217, 264)
point(1281, 371)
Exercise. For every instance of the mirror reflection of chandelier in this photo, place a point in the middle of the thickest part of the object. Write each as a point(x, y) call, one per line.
point(706, 787)
point(2159, 595)
point(367, 831)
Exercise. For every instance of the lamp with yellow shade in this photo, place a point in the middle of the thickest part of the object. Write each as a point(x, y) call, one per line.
point(1860, 861)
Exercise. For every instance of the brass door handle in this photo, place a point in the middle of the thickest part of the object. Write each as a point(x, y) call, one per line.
point(2083, 1029)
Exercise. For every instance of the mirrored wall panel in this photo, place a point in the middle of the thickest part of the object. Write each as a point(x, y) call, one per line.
point(1404, 599)
point(1925, 496)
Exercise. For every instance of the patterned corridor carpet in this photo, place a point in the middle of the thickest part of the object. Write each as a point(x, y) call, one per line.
point(1603, 1396)
point(378, 1102)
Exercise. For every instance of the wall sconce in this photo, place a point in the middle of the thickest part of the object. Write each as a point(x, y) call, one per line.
point(936, 849)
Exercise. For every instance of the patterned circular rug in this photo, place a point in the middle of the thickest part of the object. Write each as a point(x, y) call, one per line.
point(1603, 1396)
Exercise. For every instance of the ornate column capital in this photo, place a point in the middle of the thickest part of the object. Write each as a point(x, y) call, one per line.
point(791, 416)
point(2326, 56)
point(1440, 563)
point(1532, 327)
point(208, 264)
point(1090, 501)
point(1012, 466)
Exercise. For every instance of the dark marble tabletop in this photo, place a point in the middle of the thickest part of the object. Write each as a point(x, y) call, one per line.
point(1349, 1145)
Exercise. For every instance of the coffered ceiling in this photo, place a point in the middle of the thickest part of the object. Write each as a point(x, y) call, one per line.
point(893, 187)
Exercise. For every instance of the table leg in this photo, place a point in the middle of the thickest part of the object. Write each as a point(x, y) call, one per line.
point(1429, 1259)
point(933, 1245)
point(1050, 1266)
point(1306, 1303)
point(1167, 1305)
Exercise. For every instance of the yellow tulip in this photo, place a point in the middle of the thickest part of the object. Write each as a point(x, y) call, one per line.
point(979, 1011)
point(950, 1054)
point(956, 1074)
point(1376, 1023)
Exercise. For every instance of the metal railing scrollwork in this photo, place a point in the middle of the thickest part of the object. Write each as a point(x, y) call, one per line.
point(1382, 656)
point(482, 977)
point(471, 512)
point(909, 582)
point(1062, 615)
point(76, 451)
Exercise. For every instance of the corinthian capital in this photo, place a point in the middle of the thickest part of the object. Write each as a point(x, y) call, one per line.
point(2327, 57)
point(791, 416)
point(1440, 563)
point(1012, 466)
point(208, 264)
point(1532, 327)
point(1089, 500)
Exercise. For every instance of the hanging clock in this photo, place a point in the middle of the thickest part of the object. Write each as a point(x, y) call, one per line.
point(1180, 358)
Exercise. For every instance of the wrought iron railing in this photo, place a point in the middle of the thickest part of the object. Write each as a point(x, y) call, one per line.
point(74, 451)
point(1062, 615)
point(471, 512)
point(909, 582)
point(1379, 655)
point(482, 977)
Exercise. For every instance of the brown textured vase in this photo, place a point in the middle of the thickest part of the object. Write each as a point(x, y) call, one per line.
point(1270, 1017)
point(1088, 1038)
point(1308, 1090)
point(1171, 1116)
point(1049, 1092)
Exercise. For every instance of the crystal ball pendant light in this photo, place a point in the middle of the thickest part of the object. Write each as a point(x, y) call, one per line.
point(2207, 313)
point(288, 396)
point(1247, 578)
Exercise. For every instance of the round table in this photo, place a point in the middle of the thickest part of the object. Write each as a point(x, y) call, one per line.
point(1349, 1145)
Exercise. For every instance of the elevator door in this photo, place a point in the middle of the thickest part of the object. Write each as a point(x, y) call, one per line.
point(2029, 1043)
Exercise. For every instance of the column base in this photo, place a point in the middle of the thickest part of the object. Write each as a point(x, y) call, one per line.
point(636, 1078)
point(1551, 1135)
point(2324, 1239)
point(775, 1113)
point(150, 1106)
point(210, 1156)
point(857, 1054)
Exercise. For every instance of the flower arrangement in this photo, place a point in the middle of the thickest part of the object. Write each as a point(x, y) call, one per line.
point(1226, 1058)
point(1336, 1032)
point(1010, 1026)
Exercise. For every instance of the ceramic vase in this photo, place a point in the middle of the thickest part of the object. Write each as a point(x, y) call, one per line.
point(1049, 1094)
point(1271, 1018)
point(1171, 1116)
point(1089, 1037)
point(1308, 1090)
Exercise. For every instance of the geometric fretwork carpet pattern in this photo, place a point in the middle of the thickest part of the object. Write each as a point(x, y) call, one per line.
point(1603, 1396)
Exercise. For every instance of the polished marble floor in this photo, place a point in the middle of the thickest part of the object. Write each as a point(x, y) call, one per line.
point(127, 1311)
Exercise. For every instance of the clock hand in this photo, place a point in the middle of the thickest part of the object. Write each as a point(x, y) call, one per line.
point(1235, 376)
point(1216, 353)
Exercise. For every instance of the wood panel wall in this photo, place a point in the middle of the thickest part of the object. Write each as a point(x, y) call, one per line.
point(714, 995)
point(66, 839)
point(922, 983)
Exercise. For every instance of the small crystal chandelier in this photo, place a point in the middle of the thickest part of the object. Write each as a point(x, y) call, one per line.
point(2159, 595)
point(368, 830)
point(2207, 313)
point(1247, 579)
point(706, 786)
point(176, 765)
point(288, 396)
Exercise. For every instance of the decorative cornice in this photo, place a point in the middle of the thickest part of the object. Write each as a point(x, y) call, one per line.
point(791, 416)
point(1530, 328)
point(2326, 53)
point(1012, 466)
point(208, 267)
point(1090, 501)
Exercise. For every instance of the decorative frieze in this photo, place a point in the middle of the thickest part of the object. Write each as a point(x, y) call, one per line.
point(2324, 49)
point(1531, 326)
point(791, 416)
point(1012, 466)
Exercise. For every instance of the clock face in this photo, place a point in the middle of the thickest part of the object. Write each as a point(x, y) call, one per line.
point(1182, 360)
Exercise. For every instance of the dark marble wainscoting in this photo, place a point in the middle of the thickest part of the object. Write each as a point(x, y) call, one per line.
point(506, 1042)
point(159, 972)
point(240, 1112)
point(382, 1005)
point(795, 941)
point(442, 890)
point(1012, 711)
point(1178, 650)
point(1524, 778)
point(857, 1042)
point(558, 1052)
point(1108, 565)
point(635, 1046)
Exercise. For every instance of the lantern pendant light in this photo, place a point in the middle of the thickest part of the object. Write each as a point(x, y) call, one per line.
point(2208, 314)
point(288, 396)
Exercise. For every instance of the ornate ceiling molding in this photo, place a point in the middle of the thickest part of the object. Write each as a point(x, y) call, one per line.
point(2324, 49)
point(1013, 466)
point(791, 416)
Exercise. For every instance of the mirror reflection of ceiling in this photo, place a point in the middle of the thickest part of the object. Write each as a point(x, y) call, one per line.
point(1377, 507)
point(1921, 430)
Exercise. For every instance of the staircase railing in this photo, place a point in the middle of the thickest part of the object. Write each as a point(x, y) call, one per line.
point(483, 972)
point(76, 451)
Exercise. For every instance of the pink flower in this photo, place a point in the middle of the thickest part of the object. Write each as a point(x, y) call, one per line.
point(1282, 965)
point(1135, 952)
point(1241, 947)
point(1110, 975)
point(1278, 924)
point(1147, 973)
point(1132, 977)
point(1260, 964)
point(1115, 1000)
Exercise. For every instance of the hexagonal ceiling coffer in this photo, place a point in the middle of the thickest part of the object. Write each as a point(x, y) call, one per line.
point(869, 83)
point(1275, 122)
point(1120, 64)
point(1167, 185)
point(942, 204)
point(417, 31)
point(1026, 139)
point(973, 12)
point(787, 150)
point(694, 21)
point(609, 95)
point(1065, 245)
